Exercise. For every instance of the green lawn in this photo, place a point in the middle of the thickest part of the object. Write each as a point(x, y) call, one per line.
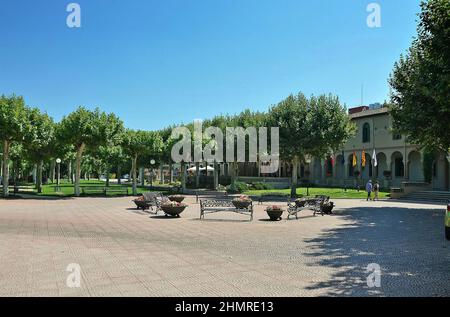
point(67, 189)
point(332, 192)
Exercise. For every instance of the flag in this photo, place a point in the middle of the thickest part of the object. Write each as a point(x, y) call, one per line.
point(333, 159)
point(374, 158)
point(355, 161)
point(363, 159)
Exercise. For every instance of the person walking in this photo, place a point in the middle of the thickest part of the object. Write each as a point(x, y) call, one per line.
point(369, 188)
point(376, 190)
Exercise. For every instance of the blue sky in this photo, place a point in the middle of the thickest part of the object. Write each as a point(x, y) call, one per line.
point(154, 63)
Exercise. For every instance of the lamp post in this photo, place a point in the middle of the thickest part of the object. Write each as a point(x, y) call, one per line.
point(58, 170)
point(152, 162)
point(308, 161)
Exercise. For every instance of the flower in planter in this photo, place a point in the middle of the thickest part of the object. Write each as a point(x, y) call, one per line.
point(140, 198)
point(243, 198)
point(274, 208)
point(173, 204)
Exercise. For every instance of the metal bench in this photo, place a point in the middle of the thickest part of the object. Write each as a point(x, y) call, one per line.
point(223, 205)
point(104, 190)
point(314, 204)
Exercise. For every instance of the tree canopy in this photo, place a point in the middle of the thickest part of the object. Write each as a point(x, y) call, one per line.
point(420, 80)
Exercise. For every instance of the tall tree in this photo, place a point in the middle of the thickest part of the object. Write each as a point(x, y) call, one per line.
point(13, 126)
point(137, 144)
point(315, 126)
point(40, 142)
point(88, 129)
point(420, 80)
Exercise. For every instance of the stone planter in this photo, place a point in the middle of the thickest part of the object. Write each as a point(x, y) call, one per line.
point(241, 204)
point(176, 198)
point(141, 204)
point(173, 211)
point(275, 214)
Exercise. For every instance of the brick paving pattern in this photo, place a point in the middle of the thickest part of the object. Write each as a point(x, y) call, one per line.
point(125, 252)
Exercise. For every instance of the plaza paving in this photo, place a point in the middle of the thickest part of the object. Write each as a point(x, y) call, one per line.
point(125, 252)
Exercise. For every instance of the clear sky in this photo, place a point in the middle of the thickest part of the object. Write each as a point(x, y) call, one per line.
point(155, 63)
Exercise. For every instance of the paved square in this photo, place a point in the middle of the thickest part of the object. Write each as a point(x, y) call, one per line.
point(125, 252)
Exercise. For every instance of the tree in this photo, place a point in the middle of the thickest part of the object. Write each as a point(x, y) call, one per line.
point(13, 126)
point(315, 126)
point(420, 80)
point(40, 142)
point(140, 143)
point(88, 129)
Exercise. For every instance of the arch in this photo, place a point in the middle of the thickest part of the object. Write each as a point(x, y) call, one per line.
point(351, 168)
point(415, 168)
point(381, 165)
point(398, 166)
point(339, 167)
point(317, 169)
point(366, 133)
point(441, 173)
point(367, 171)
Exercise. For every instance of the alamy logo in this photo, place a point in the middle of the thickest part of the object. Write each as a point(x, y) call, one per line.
point(74, 18)
point(235, 140)
point(74, 278)
point(374, 278)
point(374, 18)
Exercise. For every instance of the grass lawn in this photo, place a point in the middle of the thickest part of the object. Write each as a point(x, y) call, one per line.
point(332, 192)
point(67, 189)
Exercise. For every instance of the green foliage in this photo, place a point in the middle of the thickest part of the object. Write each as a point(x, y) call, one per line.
point(315, 126)
point(428, 159)
point(13, 118)
point(420, 80)
point(261, 186)
point(239, 187)
point(91, 128)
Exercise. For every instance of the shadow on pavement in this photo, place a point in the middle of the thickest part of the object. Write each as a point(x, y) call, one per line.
point(407, 243)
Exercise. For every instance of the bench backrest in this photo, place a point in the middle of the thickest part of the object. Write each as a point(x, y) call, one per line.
point(210, 203)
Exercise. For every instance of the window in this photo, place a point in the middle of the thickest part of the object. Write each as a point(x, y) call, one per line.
point(366, 133)
point(396, 136)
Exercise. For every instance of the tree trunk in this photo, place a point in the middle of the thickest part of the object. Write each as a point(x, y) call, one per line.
point(233, 176)
point(119, 176)
point(197, 174)
point(52, 170)
point(141, 176)
point(78, 169)
point(294, 177)
point(5, 178)
point(107, 177)
point(183, 176)
point(171, 172)
point(69, 171)
point(39, 177)
point(161, 174)
point(133, 168)
point(216, 176)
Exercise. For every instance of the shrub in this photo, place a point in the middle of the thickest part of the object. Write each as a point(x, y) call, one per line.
point(262, 186)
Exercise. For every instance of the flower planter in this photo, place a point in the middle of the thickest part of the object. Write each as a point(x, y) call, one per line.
point(275, 214)
point(173, 211)
point(240, 204)
point(176, 198)
point(141, 204)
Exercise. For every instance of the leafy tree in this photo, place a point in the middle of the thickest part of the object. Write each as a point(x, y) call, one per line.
point(420, 80)
point(315, 126)
point(40, 142)
point(88, 129)
point(137, 144)
point(13, 126)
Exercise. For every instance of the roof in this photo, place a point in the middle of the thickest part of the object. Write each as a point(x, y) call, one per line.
point(371, 112)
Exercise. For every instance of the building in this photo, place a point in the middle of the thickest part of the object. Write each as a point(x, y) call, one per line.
point(399, 163)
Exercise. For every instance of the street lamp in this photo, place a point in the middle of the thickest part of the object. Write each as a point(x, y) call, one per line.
point(308, 161)
point(152, 162)
point(58, 169)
